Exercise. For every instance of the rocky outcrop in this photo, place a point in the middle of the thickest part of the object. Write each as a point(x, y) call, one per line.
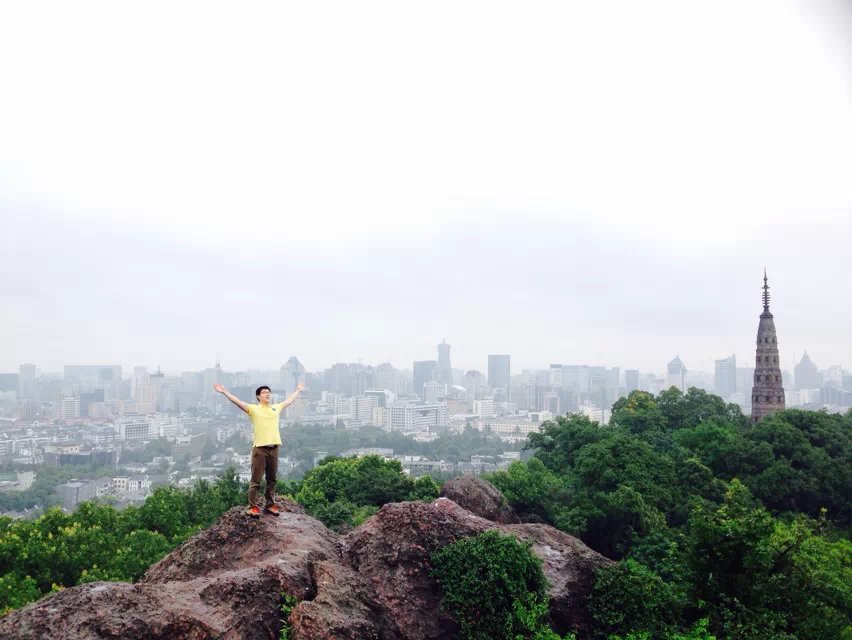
point(480, 497)
point(374, 583)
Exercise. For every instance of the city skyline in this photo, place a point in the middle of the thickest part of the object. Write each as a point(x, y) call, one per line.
point(276, 371)
point(482, 367)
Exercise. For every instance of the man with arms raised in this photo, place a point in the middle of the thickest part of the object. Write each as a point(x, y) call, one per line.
point(267, 438)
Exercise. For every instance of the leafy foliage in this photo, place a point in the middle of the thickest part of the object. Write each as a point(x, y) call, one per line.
point(345, 491)
point(98, 542)
point(630, 597)
point(532, 488)
point(288, 603)
point(493, 587)
point(743, 526)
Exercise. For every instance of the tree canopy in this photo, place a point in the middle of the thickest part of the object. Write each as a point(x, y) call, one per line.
point(729, 528)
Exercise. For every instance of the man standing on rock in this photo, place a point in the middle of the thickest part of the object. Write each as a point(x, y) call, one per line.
point(267, 438)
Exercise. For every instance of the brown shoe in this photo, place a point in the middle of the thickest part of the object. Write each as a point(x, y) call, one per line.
point(272, 509)
point(253, 511)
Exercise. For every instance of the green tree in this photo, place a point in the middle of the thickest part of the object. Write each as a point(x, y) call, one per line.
point(16, 591)
point(562, 438)
point(337, 489)
point(533, 490)
point(628, 597)
point(425, 489)
point(165, 511)
point(762, 578)
point(639, 413)
point(684, 411)
point(623, 488)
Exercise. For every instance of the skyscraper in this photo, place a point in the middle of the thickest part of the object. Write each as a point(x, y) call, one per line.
point(807, 374)
point(676, 374)
point(424, 371)
point(387, 377)
point(292, 373)
point(631, 380)
point(767, 394)
point(27, 381)
point(445, 371)
point(474, 382)
point(725, 380)
point(499, 373)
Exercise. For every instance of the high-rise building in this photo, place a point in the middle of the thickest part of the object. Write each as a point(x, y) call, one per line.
point(338, 379)
point(9, 388)
point(416, 416)
point(157, 381)
point(499, 374)
point(424, 371)
point(432, 390)
point(380, 397)
point(631, 380)
point(140, 379)
point(676, 374)
point(767, 394)
point(292, 373)
point(725, 379)
point(551, 402)
point(209, 376)
point(556, 376)
point(146, 401)
point(27, 381)
point(87, 399)
point(807, 376)
point(132, 427)
point(387, 377)
point(363, 378)
point(475, 384)
point(69, 407)
point(484, 408)
point(444, 371)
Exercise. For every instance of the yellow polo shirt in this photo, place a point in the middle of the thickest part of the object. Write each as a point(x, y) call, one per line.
point(264, 421)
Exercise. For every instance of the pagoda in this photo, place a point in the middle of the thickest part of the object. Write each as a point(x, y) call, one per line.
point(767, 394)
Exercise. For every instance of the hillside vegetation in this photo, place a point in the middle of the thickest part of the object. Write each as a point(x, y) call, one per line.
point(721, 528)
point(716, 521)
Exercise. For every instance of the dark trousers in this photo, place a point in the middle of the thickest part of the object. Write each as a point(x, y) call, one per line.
point(263, 459)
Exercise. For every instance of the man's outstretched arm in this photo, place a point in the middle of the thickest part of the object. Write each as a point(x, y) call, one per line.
point(230, 396)
point(292, 397)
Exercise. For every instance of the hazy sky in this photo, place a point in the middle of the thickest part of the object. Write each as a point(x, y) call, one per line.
point(589, 183)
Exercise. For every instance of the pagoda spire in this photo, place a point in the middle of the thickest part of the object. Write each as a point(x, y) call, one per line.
point(765, 291)
point(767, 394)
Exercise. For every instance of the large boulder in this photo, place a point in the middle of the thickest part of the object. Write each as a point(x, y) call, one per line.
point(225, 582)
point(480, 497)
point(375, 583)
point(393, 552)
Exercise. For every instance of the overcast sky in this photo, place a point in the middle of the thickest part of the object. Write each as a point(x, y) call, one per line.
point(585, 183)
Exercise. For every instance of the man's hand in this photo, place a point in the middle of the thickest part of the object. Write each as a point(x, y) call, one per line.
point(292, 397)
point(230, 396)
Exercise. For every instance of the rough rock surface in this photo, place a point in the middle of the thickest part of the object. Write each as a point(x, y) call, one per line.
point(481, 498)
point(372, 584)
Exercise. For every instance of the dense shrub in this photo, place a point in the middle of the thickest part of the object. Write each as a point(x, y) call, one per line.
point(345, 491)
point(493, 587)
